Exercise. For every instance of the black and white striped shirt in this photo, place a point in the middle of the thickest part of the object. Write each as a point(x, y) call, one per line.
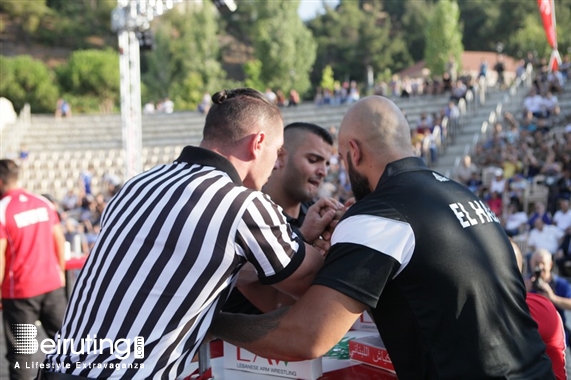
point(171, 245)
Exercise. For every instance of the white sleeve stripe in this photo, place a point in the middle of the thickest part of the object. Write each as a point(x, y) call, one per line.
point(388, 236)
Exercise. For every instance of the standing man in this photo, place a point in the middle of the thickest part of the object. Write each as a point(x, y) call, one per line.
point(172, 243)
point(424, 255)
point(32, 264)
point(299, 170)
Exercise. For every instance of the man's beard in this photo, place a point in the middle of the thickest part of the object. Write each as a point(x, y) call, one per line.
point(359, 183)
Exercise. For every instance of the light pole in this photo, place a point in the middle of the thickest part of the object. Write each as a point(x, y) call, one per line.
point(130, 17)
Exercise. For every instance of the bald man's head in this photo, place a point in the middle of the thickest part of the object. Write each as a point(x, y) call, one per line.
point(380, 126)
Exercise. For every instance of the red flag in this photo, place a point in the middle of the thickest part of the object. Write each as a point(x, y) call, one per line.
point(547, 15)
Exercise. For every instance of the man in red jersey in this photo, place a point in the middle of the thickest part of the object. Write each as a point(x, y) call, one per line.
point(32, 265)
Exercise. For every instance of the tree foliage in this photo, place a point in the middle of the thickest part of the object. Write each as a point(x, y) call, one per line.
point(443, 37)
point(354, 36)
point(93, 77)
point(284, 45)
point(253, 71)
point(27, 80)
point(185, 61)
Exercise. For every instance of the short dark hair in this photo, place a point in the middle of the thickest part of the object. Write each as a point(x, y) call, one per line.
point(9, 170)
point(311, 128)
point(233, 112)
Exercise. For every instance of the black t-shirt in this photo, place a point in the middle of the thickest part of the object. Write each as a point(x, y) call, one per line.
point(439, 274)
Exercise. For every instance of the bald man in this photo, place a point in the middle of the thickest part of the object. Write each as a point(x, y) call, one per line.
point(424, 255)
point(555, 288)
point(549, 324)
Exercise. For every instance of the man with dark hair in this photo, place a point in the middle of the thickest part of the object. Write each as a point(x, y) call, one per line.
point(32, 265)
point(423, 254)
point(172, 243)
point(299, 170)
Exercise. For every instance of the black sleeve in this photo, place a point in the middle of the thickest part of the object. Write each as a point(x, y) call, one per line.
point(357, 271)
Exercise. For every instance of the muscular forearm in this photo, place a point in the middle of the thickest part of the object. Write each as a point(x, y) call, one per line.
point(260, 334)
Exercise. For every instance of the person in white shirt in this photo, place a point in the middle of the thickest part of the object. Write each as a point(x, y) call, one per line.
point(499, 183)
point(562, 217)
point(551, 104)
point(515, 219)
point(544, 236)
point(534, 104)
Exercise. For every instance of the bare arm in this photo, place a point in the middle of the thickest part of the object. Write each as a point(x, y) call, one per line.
point(266, 298)
point(303, 331)
point(3, 244)
point(298, 283)
point(59, 242)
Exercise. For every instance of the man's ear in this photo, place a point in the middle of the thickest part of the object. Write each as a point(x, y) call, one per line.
point(355, 152)
point(282, 155)
point(256, 143)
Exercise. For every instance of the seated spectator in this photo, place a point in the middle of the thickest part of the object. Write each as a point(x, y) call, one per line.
point(463, 172)
point(293, 98)
point(517, 187)
point(544, 282)
point(458, 91)
point(498, 184)
point(563, 255)
point(562, 217)
point(544, 236)
point(551, 104)
point(149, 108)
point(354, 94)
point(495, 203)
point(475, 183)
point(515, 219)
point(555, 81)
point(70, 201)
point(534, 104)
point(205, 103)
point(272, 97)
point(539, 211)
point(168, 106)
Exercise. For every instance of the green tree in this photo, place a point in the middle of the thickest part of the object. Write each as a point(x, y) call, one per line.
point(253, 71)
point(443, 37)
point(186, 59)
point(26, 80)
point(414, 23)
point(92, 78)
point(327, 78)
point(531, 35)
point(284, 45)
point(352, 37)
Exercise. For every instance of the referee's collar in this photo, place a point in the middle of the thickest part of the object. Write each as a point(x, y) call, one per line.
point(407, 164)
point(206, 157)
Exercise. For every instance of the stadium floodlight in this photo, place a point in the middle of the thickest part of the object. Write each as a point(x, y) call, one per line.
point(131, 20)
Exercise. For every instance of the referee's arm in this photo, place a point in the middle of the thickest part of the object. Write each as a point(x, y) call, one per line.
point(280, 257)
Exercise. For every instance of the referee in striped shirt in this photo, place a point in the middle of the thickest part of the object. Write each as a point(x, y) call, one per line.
point(172, 243)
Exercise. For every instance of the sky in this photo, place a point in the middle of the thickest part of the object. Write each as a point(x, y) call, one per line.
point(308, 9)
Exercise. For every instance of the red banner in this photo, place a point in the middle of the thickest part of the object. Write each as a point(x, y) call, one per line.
point(547, 15)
